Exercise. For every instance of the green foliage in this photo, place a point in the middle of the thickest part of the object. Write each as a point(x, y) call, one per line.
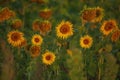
point(95, 63)
point(110, 67)
point(76, 65)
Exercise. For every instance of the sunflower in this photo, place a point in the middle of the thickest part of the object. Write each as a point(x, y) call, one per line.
point(86, 41)
point(88, 14)
point(108, 27)
point(37, 39)
point(48, 58)
point(46, 13)
point(64, 29)
point(115, 35)
point(35, 50)
point(15, 38)
point(99, 14)
point(45, 27)
point(23, 43)
point(6, 14)
point(17, 23)
point(35, 25)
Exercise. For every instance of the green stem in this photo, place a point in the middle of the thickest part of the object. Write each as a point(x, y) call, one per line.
point(100, 62)
point(49, 75)
point(29, 75)
point(85, 64)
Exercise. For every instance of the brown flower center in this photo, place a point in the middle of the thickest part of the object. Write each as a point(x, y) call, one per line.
point(64, 29)
point(109, 26)
point(37, 40)
point(48, 57)
point(85, 41)
point(15, 36)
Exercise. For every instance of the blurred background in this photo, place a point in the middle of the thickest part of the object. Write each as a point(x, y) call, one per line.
point(101, 62)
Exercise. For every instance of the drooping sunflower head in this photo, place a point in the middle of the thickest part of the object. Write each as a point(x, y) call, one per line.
point(88, 14)
point(115, 35)
point(23, 43)
point(45, 27)
point(35, 25)
point(45, 13)
point(17, 23)
point(48, 58)
point(64, 29)
point(15, 38)
point(37, 39)
point(35, 50)
point(86, 41)
point(6, 14)
point(3, 12)
point(99, 14)
point(108, 27)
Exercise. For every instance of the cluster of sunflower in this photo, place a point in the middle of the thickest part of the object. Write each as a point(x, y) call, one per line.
point(108, 27)
point(16, 38)
point(63, 30)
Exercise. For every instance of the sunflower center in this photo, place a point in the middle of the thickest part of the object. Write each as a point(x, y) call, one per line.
point(86, 41)
point(48, 57)
point(37, 40)
point(15, 36)
point(64, 29)
point(108, 26)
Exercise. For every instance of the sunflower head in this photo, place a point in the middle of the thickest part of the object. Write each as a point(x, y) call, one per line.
point(46, 13)
point(15, 38)
point(35, 51)
point(35, 25)
point(99, 14)
point(115, 35)
point(108, 27)
point(37, 39)
point(48, 58)
point(6, 14)
point(3, 13)
point(64, 29)
point(45, 27)
point(92, 14)
point(86, 41)
point(17, 23)
point(89, 14)
point(23, 43)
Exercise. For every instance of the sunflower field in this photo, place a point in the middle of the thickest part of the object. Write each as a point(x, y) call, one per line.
point(59, 39)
